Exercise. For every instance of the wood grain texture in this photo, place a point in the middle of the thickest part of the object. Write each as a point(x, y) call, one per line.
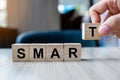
point(20, 52)
point(72, 51)
point(96, 64)
point(37, 52)
point(53, 49)
point(87, 31)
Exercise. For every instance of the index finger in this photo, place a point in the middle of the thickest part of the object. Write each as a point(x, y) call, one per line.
point(97, 9)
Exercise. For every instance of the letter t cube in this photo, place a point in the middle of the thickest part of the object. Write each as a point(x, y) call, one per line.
point(90, 31)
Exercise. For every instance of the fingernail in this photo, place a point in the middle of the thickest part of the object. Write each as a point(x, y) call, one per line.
point(103, 30)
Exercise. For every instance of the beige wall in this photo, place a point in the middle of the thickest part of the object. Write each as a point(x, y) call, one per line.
point(28, 15)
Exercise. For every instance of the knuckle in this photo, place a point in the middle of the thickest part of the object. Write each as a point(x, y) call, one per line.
point(91, 9)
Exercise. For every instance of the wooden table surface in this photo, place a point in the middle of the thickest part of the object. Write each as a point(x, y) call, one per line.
point(96, 64)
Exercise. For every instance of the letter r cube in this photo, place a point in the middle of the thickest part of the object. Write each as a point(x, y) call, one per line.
point(72, 51)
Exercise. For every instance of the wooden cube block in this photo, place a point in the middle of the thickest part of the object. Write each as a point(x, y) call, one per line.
point(90, 31)
point(37, 52)
point(72, 51)
point(54, 52)
point(20, 52)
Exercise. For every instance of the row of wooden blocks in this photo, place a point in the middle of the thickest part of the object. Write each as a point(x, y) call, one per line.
point(46, 52)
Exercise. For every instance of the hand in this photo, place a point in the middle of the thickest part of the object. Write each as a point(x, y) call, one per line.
point(111, 23)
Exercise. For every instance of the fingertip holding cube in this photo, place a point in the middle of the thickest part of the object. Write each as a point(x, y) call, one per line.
point(90, 31)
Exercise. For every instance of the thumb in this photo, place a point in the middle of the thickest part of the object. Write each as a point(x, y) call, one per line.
point(110, 25)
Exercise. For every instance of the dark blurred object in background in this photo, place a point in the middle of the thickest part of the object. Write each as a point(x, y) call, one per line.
point(7, 37)
point(70, 20)
point(64, 36)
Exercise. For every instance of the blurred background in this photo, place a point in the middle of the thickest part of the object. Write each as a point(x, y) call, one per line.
point(46, 21)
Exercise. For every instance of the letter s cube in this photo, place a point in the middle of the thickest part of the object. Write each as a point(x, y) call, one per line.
point(20, 52)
